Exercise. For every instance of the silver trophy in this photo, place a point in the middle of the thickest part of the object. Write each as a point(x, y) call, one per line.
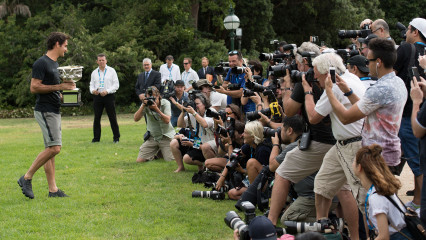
point(72, 98)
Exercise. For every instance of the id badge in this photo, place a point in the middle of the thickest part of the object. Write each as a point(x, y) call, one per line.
point(197, 143)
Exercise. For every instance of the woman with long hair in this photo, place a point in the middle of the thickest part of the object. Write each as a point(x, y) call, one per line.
point(382, 215)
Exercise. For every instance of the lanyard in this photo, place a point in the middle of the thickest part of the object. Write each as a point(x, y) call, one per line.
point(170, 71)
point(365, 78)
point(102, 80)
point(421, 43)
point(365, 206)
point(186, 76)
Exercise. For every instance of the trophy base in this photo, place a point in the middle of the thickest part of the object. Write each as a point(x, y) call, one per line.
point(72, 98)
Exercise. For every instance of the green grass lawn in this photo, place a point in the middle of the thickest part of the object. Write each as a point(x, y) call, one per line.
point(111, 196)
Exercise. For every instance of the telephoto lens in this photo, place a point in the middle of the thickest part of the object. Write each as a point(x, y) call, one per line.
point(234, 221)
point(215, 195)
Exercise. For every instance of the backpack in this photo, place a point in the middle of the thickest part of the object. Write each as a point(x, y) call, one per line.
point(412, 221)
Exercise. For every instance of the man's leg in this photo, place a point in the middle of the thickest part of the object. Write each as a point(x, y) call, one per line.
point(112, 116)
point(207, 150)
point(98, 108)
point(192, 158)
point(350, 212)
point(216, 164)
point(148, 150)
point(174, 146)
point(41, 159)
point(49, 170)
point(253, 169)
point(279, 196)
point(410, 148)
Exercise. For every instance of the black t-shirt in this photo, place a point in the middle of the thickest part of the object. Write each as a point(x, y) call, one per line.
point(262, 153)
point(320, 132)
point(46, 70)
point(401, 66)
point(421, 118)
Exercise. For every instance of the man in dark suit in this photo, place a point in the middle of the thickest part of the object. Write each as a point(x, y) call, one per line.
point(147, 79)
point(206, 72)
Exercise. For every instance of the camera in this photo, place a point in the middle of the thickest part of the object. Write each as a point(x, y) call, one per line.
point(222, 68)
point(248, 93)
point(296, 75)
point(255, 87)
point(234, 86)
point(270, 132)
point(167, 95)
point(251, 116)
point(234, 221)
point(324, 226)
point(215, 195)
point(237, 70)
point(402, 29)
point(234, 159)
point(353, 33)
point(224, 188)
point(279, 70)
point(213, 114)
point(150, 101)
point(273, 56)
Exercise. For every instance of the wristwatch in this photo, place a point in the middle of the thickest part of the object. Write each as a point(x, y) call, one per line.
point(347, 94)
point(309, 92)
point(194, 114)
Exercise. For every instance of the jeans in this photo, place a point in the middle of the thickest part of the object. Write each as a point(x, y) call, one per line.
point(410, 146)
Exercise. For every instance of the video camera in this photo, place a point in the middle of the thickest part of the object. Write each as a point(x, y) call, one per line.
point(222, 68)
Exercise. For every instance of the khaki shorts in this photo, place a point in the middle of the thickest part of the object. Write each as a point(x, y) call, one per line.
point(336, 170)
point(298, 164)
point(302, 210)
point(150, 148)
point(50, 124)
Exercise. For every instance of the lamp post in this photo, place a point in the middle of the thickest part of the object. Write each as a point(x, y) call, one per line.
point(231, 22)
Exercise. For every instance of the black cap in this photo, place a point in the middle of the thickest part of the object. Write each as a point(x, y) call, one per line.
point(179, 83)
point(360, 62)
point(367, 39)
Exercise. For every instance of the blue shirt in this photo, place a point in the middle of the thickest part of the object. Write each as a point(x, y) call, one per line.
point(235, 79)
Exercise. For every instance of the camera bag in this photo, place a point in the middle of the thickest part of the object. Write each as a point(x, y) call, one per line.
point(412, 221)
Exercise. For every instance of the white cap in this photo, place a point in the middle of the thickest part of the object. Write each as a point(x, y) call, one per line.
point(419, 24)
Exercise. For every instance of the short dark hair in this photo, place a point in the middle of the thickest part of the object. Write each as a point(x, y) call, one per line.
point(55, 37)
point(239, 126)
point(295, 122)
point(100, 55)
point(422, 37)
point(169, 57)
point(256, 66)
point(384, 49)
point(236, 52)
point(189, 60)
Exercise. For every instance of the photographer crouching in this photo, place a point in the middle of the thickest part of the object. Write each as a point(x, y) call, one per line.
point(186, 145)
point(159, 129)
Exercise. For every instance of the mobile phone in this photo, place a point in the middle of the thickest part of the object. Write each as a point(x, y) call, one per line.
point(415, 72)
point(333, 74)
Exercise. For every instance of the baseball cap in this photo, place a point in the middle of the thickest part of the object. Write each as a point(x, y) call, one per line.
point(203, 82)
point(179, 83)
point(261, 228)
point(419, 24)
point(367, 39)
point(359, 61)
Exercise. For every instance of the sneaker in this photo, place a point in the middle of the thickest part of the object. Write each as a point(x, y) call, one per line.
point(58, 193)
point(26, 186)
point(412, 205)
point(410, 193)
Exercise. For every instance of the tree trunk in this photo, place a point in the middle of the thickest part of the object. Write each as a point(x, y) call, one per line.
point(195, 6)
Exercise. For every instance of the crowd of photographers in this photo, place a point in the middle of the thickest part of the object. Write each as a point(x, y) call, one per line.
point(285, 139)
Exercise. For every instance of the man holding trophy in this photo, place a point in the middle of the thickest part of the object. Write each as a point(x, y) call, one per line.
point(46, 84)
point(103, 85)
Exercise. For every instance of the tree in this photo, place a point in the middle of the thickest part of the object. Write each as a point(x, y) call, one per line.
point(14, 7)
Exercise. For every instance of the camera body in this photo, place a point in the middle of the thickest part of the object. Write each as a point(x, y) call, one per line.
point(234, 86)
point(296, 76)
point(229, 128)
point(150, 101)
point(222, 68)
point(234, 159)
point(234, 221)
point(270, 132)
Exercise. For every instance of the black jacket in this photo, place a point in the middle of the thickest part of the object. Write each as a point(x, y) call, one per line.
point(154, 79)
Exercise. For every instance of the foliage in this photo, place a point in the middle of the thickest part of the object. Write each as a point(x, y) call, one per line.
point(129, 31)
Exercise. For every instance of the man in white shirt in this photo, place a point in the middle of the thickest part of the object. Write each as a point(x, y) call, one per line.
point(103, 85)
point(169, 70)
point(189, 75)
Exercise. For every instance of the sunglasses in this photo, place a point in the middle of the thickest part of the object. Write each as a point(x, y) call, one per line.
point(186, 63)
point(367, 61)
point(235, 52)
point(229, 113)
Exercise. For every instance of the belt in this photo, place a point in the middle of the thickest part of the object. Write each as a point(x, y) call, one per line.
point(350, 140)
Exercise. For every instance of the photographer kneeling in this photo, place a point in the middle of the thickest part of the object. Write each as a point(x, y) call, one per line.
point(257, 152)
point(189, 146)
point(159, 129)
